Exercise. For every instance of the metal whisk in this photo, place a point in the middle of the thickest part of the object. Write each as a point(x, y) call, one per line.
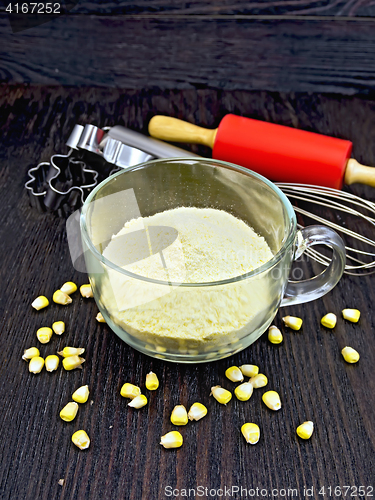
point(342, 202)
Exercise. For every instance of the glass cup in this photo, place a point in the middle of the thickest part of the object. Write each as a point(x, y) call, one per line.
point(164, 316)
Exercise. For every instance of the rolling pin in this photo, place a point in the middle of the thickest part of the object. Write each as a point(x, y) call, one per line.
point(280, 153)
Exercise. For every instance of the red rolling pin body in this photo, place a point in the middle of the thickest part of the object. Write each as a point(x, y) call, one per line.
point(282, 153)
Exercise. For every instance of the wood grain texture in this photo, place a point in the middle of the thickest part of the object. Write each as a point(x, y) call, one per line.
point(125, 460)
point(223, 7)
point(339, 8)
point(182, 52)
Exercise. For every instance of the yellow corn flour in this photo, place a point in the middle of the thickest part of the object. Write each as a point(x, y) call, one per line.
point(204, 245)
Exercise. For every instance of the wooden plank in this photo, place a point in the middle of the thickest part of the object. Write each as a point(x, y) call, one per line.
point(137, 53)
point(161, 8)
point(125, 460)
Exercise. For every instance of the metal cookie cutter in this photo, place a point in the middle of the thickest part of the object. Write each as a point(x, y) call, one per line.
point(62, 184)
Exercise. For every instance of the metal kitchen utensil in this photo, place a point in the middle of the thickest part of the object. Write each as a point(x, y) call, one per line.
point(359, 262)
point(62, 184)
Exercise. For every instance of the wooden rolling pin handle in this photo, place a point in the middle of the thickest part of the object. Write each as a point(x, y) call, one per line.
point(355, 172)
point(175, 130)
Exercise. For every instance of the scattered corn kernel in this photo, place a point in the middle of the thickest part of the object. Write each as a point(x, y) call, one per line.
point(258, 381)
point(249, 370)
point(81, 395)
point(138, 401)
point(61, 298)
point(86, 291)
point(81, 439)
point(40, 302)
point(274, 335)
point(69, 287)
point(44, 334)
point(100, 318)
point(36, 364)
point(197, 411)
point(69, 412)
point(351, 315)
point(251, 433)
point(71, 351)
point(72, 362)
point(244, 391)
point(272, 400)
point(179, 415)
point(329, 320)
point(350, 355)
point(60, 482)
point(234, 374)
point(130, 391)
point(152, 381)
point(58, 327)
point(32, 352)
point(52, 362)
point(221, 395)
point(305, 430)
point(171, 440)
point(293, 322)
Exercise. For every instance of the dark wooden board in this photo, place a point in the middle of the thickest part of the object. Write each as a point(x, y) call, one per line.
point(311, 54)
point(125, 460)
point(223, 7)
point(162, 8)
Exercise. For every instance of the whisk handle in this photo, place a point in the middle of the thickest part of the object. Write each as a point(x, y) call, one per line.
point(355, 172)
point(299, 292)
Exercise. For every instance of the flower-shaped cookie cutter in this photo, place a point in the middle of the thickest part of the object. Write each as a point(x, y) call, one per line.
point(62, 184)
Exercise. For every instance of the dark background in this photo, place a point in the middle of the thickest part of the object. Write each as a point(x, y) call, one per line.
point(308, 65)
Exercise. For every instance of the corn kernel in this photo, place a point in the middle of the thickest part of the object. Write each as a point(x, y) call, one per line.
point(58, 327)
point(100, 318)
point(258, 381)
point(36, 364)
point(69, 412)
point(221, 395)
point(32, 352)
point(197, 411)
point(171, 440)
point(62, 298)
point(81, 439)
point(69, 287)
point(138, 401)
point(350, 355)
point(86, 291)
point(44, 334)
point(40, 302)
point(72, 362)
point(152, 381)
point(179, 415)
point(81, 395)
point(130, 391)
point(272, 400)
point(293, 322)
point(329, 320)
point(274, 335)
point(71, 351)
point(251, 433)
point(305, 430)
point(52, 362)
point(249, 370)
point(351, 315)
point(234, 374)
point(244, 391)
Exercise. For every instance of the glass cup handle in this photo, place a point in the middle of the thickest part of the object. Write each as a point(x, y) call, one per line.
point(299, 292)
